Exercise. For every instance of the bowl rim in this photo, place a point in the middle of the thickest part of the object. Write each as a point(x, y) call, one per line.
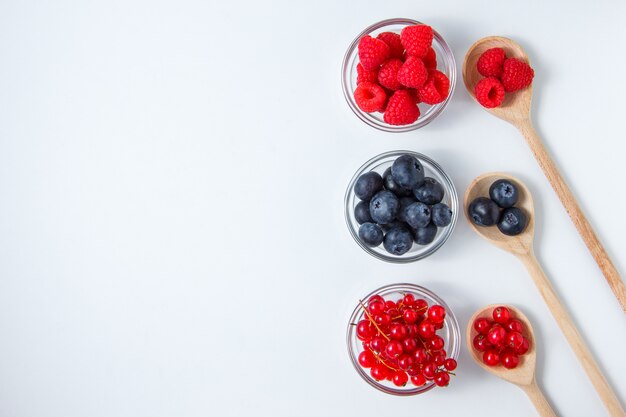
point(432, 248)
point(421, 122)
point(455, 339)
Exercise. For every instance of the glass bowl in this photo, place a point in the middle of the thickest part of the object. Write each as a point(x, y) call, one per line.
point(445, 64)
point(431, 169)
point(450, 334)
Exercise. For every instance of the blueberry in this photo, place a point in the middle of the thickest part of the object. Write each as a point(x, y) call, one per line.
point(398, 241)
point(384, 207)
point(430, 192)
point(417, 215)
point(362, 212)
point(504, 193)
point(407, 171)
point(396, 223)
point(441, 214)
point(404, 203)
point(425, 235)
point(483, 212)
point(371, 234)
point(392, 186)
point(512, 222)
point(367, 185)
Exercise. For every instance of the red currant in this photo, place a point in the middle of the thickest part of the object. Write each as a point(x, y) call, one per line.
point(450, 364)
point(409, 344)
point(405, 362)
point(482, 325)
point(394, 349)
point(515, 325)
point(376, 307)
point(411, 330)
point(429, 370)
point(442, 379)
point(491, 357)
point(510, 360)
point(379, 372)
point(367, 359)
point(440, 359)
point(389, 305)
point(514, 339)
point(420, 305)
point(378, 343)
point(436, 343)
point(501, 315)
point(418, 380)
point(422, 356)
point(436, 314)
point(375, 298)
point(397, 331)
point(408, 300)
point(496, 335)
point(382, 319)
point(426, 329)
point(400, 378)
point(480, 343)
point(525, 346)
point(409, 316)
point(364, 330)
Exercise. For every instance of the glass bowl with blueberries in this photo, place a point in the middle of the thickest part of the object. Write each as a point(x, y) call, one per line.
point(401, 206)
point(417, 349)
point(349, 75)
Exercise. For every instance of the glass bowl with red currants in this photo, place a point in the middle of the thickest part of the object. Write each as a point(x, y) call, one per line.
point(445, 64)
point(403, 340)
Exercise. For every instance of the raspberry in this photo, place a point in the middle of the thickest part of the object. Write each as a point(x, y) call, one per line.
point(490, 62)
point(489, 92)
point(365, 75)
point(396, 50)
point(388, 74)
point(436, 88)
point(401, 109)
point(516, 75)
point(430, 60)
point(372, 52)
point(413, 73)
point(370, 97)
point(417, 39)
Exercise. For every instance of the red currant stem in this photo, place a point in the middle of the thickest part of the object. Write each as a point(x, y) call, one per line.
point(369, 317)
point(397, 317)
point(448, 372)
point(381, 360)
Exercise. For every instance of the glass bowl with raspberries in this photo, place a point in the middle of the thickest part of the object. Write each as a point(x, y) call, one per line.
point(401, 206)
point(404, 340)
point(398, 75)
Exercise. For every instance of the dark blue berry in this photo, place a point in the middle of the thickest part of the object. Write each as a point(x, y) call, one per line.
point(367, 185)
point(404, 203)
point(384, 207)
point(392, 186)
point(396, 223)
point(441, 214)
point(398, 240)
point(371, 234)
point(425, 235)
point(483, 212)
point(504, 193)
point(362, 212)
point(430, 192)
point(417, 215)
point(512, 222)
point(407, 171)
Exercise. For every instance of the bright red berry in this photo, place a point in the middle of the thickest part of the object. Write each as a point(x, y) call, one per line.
point(367, 359)
point(442, 379)
point(389, 305)
point(400, 378)
point(397, 331)
point(364, 330)
point(421, 305)
point(426, 329)
point(394, 349)
point(490, 63)
point(515, 325)
point(501, 315)
point(510, 360)
point(429, 370)
point(396, 50)
point(372, 52)
point(480, 343)
point(514, 340)
point(482, 325)
point(496, 335)
point(408, 300)
point(409, 316)
point(430, 60)
point(450, 364)
point(491, 357)
point(363, 75)
point(417, 39)
point(436, 88)
point(388, 74)
point(523, 349)
point(489, 92)
point(422, 356)
point(401, 109)
point(405, 361)
point(375, 297)
point(379, 372)
point(436, 313)
point(439, 358)
point(436, 343)
point(517, 74)
point(378, 343)
point(418, 380)
point(412, 73)
point(409, 344)
point(376, 307)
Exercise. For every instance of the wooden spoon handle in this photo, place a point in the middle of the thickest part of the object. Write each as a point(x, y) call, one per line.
point(573, 209)
point(539, 400)
point(574, 338)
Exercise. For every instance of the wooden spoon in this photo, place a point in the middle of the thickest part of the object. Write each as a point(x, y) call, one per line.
point(516, 110)
point(522, 247)
point(524, 375)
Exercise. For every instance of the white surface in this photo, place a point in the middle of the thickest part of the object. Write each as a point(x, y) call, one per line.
point(172, 240)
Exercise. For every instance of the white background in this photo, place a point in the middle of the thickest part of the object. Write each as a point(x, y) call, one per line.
point(172, 240)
